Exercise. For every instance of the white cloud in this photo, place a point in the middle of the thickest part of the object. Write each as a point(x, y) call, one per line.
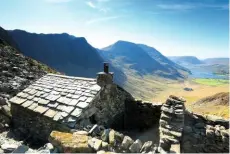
point(90, 4)
point(97, 6)
point(58, 1)
point(101, 19)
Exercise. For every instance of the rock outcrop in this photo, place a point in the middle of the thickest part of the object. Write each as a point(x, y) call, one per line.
point(17, 71)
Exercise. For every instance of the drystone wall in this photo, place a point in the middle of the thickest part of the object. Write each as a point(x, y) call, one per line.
point(141, 115)
point(171, 124)
point(100, 141)
point(205, 134)
point(110, 106)
point(33, 126)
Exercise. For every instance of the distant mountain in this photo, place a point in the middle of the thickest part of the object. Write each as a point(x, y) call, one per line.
point(161, 58)
point(208, 68)
point(7, 38)
point(142, 59)
point(185, 60)
point(221, 61)
point(16, 70)
point(66, 53)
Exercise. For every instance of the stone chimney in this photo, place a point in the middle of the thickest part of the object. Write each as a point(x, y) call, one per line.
point(106, 77)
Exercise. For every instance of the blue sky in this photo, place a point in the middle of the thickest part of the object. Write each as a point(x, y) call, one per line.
point(174, 27)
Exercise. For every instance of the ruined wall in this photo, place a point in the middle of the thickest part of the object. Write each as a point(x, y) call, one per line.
point(171, 124)
point(33, 126)
point(110, 105)
point(141, 115)
point(203, 134)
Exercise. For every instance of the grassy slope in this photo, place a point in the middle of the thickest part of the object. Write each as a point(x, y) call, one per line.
point(211, 82)
point(145, 87)
point(156, 89)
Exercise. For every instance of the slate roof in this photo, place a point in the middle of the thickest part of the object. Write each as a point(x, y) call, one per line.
point(62, 98)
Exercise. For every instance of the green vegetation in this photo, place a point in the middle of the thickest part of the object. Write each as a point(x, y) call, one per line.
point(211, 82)
point(42, 66)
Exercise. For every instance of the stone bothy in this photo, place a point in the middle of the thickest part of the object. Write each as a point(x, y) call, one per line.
point(58, 102)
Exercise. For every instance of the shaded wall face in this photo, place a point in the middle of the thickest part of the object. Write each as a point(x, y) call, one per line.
point(110, 105)
point(33, 126)
point(202, 136)
point(140, 115)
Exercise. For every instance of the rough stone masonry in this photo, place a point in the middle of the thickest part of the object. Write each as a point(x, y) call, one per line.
point(58, 102)
point(171, 124)
point(64, 104)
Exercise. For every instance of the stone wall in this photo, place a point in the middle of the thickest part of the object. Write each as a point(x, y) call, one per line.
point(108, 141)
point(110, 105)
point(33, 126)
point(171, 124)
point(205, 134)
point(141, 115)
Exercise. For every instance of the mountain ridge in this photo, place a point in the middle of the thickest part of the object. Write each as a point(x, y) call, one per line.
point(185, 60)
point(140, 60)
point(66, 53)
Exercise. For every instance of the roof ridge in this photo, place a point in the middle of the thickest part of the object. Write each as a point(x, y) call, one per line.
point(71, 77)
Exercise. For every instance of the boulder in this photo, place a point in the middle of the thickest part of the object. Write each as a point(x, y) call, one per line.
point(95, 144)
point(49, 146)
point(118, 137)
point(210, 127)
point(104, 146)
point(44, 151)
point(217, 133)
point(8, 148)
point(21, 149)
point(105, 135)
point(222, 128)
point(112, 137)
point(80, 132)
point(175, 148)
point(70, 143)
point(105, 152)
point(224, 133)
point(147, 147)
point(5, 109)
point(136, 146)
point(218, 120)
point(165, 144)
point(3, 101)
point(127, 142)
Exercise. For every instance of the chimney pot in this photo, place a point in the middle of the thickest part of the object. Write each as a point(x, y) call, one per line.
point(106, 77)
point(106, 67)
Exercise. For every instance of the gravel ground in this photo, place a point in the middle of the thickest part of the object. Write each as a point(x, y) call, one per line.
point(9, 143)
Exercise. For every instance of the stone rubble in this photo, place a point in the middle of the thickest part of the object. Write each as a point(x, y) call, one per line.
point(17, 71)
point(64, 142)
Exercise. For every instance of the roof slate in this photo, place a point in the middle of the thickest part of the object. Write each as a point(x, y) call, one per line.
point(62, 98)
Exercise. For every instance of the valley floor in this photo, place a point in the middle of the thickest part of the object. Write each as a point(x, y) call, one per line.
point(157, 90)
